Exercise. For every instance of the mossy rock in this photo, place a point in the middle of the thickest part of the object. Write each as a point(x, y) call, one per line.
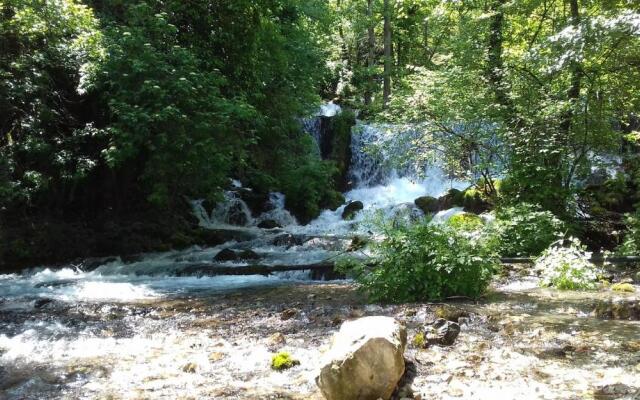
point(453, 198)
point(466, 222)
point(474, 201)
point(282, 361)
point(351, 210)
point(623, 287)
point(427, 204)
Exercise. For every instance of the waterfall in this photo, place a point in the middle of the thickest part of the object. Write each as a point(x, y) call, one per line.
point(383, 175)
point(318, 126)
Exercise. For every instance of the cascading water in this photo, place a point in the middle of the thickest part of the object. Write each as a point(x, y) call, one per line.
point(382, 182)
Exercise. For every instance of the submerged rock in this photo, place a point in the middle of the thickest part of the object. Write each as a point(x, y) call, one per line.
point(615, 391)
point(352, 209)
point(450, 313)
point(623, 309)
point(190, 368)
point(287, 240)
point(226, 255)
point(269, 224)
point(366, 360)
point(288, 314)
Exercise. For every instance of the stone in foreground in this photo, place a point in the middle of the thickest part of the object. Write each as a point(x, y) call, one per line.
point(365, 361)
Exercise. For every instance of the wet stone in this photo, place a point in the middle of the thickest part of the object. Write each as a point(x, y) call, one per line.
point(442, 333)
point(226, 255)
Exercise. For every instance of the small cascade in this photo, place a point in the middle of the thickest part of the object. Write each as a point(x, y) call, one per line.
point(232, 211)
point(277, 212)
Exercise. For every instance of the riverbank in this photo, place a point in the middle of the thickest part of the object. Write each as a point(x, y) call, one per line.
point(520, 341)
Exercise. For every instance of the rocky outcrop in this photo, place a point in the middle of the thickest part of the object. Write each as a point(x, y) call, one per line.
point(351, 209)
point(365, 361)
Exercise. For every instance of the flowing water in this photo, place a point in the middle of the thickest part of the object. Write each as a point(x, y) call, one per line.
point(157, 326)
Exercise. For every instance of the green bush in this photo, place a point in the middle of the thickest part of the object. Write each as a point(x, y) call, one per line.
point(567, 267)
point(524, 230)
point(422, 263)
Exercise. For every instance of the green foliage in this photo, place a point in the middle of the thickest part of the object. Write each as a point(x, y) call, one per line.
point(524, 230)
point(48, 57)
point(567, 267)
point(631, 243)
point(492, 91)
point(166, 110)
point(282, 361)
point(423, 263)
point(466, 222)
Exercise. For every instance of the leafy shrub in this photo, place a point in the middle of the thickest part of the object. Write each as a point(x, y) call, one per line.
point(524, 230)
point(424, 262)
point(567, 267)
point(466, 222)
point(282, 361)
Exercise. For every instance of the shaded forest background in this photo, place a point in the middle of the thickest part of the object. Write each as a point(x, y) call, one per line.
point(115, 112)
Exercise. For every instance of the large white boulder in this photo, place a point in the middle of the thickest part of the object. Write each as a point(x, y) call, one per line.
point(366, 360)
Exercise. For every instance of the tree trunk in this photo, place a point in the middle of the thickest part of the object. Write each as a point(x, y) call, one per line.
point(573, 93)
point(495, 65)
point(370, 54)
point(386, 91)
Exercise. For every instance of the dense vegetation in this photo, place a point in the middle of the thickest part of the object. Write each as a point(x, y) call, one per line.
point(113, 113)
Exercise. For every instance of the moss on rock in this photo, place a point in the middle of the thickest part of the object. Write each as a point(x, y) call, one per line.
point(282, 361)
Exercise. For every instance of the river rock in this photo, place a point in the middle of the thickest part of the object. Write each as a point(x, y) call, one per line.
point(287, 240)
point(427, 204)
point(442, 333)
point(226, 255)
point(365, 361)
point(450, 313)
point(351, 209)
point(269, 224)
point(248, 255)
